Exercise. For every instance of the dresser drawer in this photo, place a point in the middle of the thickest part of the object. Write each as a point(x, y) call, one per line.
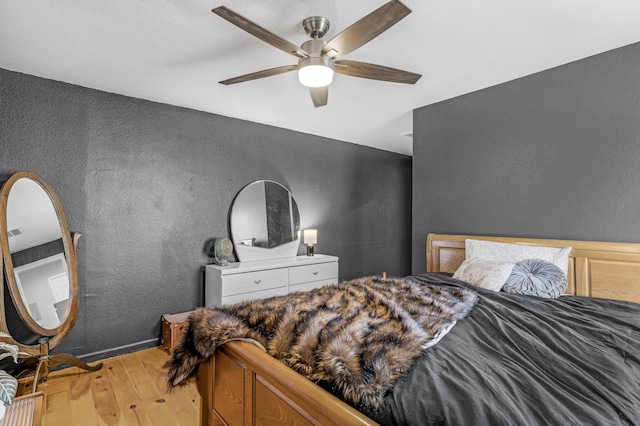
point(308, 273)
point(260, 294)
point(311, 285)
point(254, 281)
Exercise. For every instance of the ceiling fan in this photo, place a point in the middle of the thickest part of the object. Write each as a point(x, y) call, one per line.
point(317, 59)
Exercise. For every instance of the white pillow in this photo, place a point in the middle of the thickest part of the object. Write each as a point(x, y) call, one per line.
point(489, 274)
point(490, 250)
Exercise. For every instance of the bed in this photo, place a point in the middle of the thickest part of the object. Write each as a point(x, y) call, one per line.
point(568, 360)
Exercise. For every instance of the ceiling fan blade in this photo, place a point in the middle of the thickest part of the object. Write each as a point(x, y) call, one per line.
point(319, 95)
point(375, 72)
point(259, 74)
point(366, 29)
point(259, 32)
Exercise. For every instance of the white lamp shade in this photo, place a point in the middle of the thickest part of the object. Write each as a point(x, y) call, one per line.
point(315, 75)
point(310, 236)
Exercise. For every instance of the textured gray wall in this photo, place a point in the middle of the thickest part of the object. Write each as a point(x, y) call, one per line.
point(552, 155)
point(149, 184)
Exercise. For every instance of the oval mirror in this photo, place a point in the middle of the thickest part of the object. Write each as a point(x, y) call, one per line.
point(264, 222)
point(39, 257)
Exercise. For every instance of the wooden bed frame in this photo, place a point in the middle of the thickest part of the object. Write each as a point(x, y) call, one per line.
point(242, 385)
point(596, 269)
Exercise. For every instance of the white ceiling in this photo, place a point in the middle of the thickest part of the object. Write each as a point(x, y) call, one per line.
point(176, 51)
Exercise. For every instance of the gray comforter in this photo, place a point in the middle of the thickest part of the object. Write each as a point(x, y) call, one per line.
point(521, 360)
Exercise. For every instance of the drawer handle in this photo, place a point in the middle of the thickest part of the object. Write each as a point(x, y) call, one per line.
point(315, 273)
point(257, 281)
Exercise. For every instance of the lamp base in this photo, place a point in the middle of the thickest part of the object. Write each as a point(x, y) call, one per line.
point(309, 250)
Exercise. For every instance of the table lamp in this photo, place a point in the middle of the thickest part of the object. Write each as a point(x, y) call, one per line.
point(310, 238)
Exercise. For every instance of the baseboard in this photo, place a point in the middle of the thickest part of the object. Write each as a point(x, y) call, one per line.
point(120, 350)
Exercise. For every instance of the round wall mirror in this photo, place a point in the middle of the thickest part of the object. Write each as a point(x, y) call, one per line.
point(265, 222)
point(39, 256)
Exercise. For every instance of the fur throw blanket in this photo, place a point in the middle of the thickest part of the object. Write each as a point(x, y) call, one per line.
point(355, 338)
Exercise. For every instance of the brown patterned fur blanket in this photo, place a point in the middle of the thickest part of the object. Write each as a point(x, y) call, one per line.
point(356, 337)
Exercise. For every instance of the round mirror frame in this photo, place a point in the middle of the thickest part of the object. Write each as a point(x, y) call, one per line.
point(250, 253)
point(60, 332)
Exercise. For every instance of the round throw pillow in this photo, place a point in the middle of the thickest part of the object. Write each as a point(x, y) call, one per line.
point(536, 277)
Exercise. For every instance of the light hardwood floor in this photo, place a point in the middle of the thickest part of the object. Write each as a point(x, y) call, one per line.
point(128, 390)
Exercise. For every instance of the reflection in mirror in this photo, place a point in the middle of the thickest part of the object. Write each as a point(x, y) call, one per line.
point(44, 287)
point(37, 253)
point(265, 222)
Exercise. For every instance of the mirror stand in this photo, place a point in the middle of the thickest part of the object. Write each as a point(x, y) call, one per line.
point(44, 363)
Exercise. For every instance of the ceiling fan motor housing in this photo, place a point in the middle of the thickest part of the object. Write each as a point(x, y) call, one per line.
point(320, 66)
point(313, 48)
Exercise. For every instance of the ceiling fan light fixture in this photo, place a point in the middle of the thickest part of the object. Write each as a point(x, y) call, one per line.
point(315, 72)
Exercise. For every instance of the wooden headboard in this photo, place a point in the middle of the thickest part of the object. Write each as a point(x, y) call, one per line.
point(597, 269)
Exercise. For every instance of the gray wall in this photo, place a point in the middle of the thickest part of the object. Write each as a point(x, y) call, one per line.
point(149, 184)
point(552, 155)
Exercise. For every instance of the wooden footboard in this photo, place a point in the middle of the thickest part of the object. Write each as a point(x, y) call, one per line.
point(242, 385)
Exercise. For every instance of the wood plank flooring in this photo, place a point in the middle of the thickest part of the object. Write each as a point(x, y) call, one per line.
point(128, 390)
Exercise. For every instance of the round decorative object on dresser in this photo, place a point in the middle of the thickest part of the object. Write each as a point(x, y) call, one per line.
point(222, 249)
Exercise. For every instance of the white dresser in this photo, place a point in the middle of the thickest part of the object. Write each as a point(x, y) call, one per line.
point(236, 282)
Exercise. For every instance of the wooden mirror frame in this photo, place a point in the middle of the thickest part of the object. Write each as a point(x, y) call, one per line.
point(58, 333)
point(40, 361)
